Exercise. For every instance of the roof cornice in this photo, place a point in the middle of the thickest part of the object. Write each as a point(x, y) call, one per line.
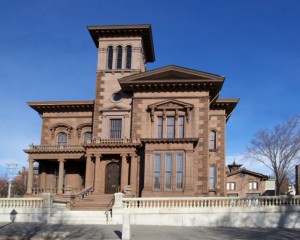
point(62, 106)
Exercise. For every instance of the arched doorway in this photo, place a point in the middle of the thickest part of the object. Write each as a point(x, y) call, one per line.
point(112, 178)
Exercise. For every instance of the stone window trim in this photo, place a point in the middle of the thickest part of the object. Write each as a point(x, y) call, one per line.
point(170, 105)
point(82, 128)
point(213, 140)
point(174, 171)
point(64, 127)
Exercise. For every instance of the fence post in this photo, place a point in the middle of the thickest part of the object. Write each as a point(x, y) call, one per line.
point(47, 206)
point(126, 226)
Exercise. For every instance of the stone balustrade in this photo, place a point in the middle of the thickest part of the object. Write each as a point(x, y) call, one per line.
point(204, 202)
point(113, 141)
point(21, 202)
point(55, 147)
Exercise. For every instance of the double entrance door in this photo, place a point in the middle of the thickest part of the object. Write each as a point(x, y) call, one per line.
point(112, 178)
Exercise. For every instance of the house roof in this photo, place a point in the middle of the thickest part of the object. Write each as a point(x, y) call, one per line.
point(62, 106)
point(173, 78)
point(135, 30)
point(227, 104)
point(256, 174)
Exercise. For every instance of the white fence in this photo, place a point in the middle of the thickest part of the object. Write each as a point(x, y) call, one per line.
point(283, 211)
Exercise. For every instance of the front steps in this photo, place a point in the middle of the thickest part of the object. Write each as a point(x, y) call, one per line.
point(81, 217)
point(95, 203)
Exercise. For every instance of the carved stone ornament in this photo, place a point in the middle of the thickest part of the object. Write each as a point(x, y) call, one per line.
point(66, 127)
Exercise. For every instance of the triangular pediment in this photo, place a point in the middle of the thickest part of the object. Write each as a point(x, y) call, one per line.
point(170, 74)
point(115, 108)
point(170, 104)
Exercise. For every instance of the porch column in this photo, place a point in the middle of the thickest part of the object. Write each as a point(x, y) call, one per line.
point(89, 174)
point(133, 174)
point(97, 174)
point(61, 176)
point(124, 172)
point(30, 176)
point(43, 175)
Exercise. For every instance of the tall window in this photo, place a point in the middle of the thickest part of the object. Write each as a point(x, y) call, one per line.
point(110, 57)
point(115, 128)
point(212, 177)
point(159, 127)
point(62, 139)
point(181, 126)
point(170, 127)
point(119, 57)
point(87, 136)
point(128, 57)
point(168, 171)
point(179, 171)
point(231, 186)
point(212, 145)
point(253, 186)
point(157, 169)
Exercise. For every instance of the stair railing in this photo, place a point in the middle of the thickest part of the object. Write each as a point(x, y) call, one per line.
point(75, 198)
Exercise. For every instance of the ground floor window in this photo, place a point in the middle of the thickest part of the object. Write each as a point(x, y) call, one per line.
point(168, 171)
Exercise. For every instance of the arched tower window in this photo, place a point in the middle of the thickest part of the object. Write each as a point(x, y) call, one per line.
point(109, 57)
point(213, 138)
point(62, 138)
point(87, 136)
point(119, 57)
point(128, 57)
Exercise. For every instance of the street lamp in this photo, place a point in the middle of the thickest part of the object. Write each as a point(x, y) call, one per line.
point(13, 215)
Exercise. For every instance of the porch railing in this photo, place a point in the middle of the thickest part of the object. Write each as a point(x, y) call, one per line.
point(112, 140)
point(203, 202)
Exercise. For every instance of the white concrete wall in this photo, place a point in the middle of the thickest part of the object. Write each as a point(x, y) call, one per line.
point(270, 216)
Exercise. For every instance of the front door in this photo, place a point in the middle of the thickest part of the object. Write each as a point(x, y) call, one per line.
point(112, 178)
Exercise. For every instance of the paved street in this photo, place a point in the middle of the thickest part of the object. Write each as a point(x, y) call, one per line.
point(43, 231)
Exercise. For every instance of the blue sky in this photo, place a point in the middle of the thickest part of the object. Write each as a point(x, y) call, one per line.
point(45, 45)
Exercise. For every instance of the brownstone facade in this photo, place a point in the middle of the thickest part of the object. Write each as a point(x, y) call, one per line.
point(147, 133)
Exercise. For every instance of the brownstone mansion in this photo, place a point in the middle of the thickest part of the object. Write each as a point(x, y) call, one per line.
point(147, 133)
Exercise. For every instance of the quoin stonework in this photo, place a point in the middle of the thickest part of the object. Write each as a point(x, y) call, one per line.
point(151, 133)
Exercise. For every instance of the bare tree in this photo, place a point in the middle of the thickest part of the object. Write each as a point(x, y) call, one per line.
point(278, 149)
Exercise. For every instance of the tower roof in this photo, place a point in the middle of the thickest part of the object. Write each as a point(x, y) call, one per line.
point(136, 30)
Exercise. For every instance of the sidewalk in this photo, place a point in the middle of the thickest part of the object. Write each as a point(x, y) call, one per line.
point(109, 232)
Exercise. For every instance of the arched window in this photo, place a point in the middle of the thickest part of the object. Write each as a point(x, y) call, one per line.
point(62, 138)
point(87, 136)
point(109, 57)
point(119, 57)
point(212, 144)
point(128, 57)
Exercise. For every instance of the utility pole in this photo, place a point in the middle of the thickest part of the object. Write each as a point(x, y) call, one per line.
point(10, 166)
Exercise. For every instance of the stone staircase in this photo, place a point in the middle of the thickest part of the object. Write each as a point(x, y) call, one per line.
point(95, 202)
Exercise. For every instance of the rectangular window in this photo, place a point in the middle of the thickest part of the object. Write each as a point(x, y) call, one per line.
point(181, 127)
point(157, 170)
point(179, 170)
point(115, 128)
point(168, 171)
point(159, 127)
point(252, 185)
point(212, 144)
point(170, 127)
point(231, 186)
point(212, 177)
